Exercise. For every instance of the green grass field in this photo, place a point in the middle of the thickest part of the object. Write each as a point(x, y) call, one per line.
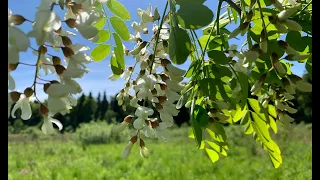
point(177, 159)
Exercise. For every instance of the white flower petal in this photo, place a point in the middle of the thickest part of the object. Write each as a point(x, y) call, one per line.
point(57, 122)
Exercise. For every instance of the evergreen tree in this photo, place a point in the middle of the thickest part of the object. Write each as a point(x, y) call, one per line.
point(98, 109)
point(104, 106)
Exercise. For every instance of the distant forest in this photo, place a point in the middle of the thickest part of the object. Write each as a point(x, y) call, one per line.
point(101, 108)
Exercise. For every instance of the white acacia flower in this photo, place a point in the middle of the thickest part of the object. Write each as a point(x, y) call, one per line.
point(11, 82)
point(24, 105)
point(45, 64)
point(135, 38)
point(17, 41)
point(241, 66)
point(172, 96)
point(58, 90)
point(74, 70)
point(120, 127)
point(61, 105)
point(166, 118)
point(292, 25)
point(46, 22)
point(144, 152)
point(127, 149)
point(145, 15)
point(142, 113)
point(73, 86)
point(47, 127)
point(134, 102)
point(140, 27)
point(250, 56)
point(174, 86)
point(84, 24)
point(170, 108)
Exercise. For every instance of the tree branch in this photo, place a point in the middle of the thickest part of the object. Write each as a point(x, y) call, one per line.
point(234, 6)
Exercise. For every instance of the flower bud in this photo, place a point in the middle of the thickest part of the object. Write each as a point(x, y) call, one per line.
point(12, 67)
point(42, 49)
point(15, 96)
point(66, 41)
point(119, 128)
point(59, 69)
point(162, 99)
point(71, 23)
point(67, 52)
point(46, 86)
point(43, 109)
point(128, 119)
point(28, 92)
point(56, 60)
point(143, 150)
point(17, 19)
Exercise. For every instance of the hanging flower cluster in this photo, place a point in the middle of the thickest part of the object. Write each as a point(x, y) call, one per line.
point(157, 86)
point(48, 33)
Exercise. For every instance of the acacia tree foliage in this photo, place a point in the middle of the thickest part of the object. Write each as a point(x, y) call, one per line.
point(225, 84)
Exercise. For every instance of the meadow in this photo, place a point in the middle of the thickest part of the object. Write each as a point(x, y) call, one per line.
point(72, 156)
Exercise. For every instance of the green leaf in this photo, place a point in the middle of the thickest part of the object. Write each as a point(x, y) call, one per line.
point(238, 114)
point(61, 4)
point(190, 134)
point(208, 87)
point(201, 16)
point(97, 4)
point(201, 115)
point(262, 127)
point(197, 131)
point(179, 45)
point(245, 118)
point(118, 9)
point(186, 2)
point(100, 23)
point(243, 80)
point(100, 52)
point(234, 15)
point(216, 131)
point(183, 100)
point(120, 27)
point(213, 155)
point(115, 67)
point(119, 51)
point(218, 56)
point(217, 148)
point(103, 36)
point(272, 111)
point(295, 41)
point(309, 67)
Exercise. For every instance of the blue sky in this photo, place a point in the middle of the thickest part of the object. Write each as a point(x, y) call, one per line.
point(97, 79)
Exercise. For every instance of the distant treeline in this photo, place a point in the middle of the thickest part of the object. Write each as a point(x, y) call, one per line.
point(101, 109)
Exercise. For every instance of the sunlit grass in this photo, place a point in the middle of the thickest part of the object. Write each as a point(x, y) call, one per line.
point(176, 159)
